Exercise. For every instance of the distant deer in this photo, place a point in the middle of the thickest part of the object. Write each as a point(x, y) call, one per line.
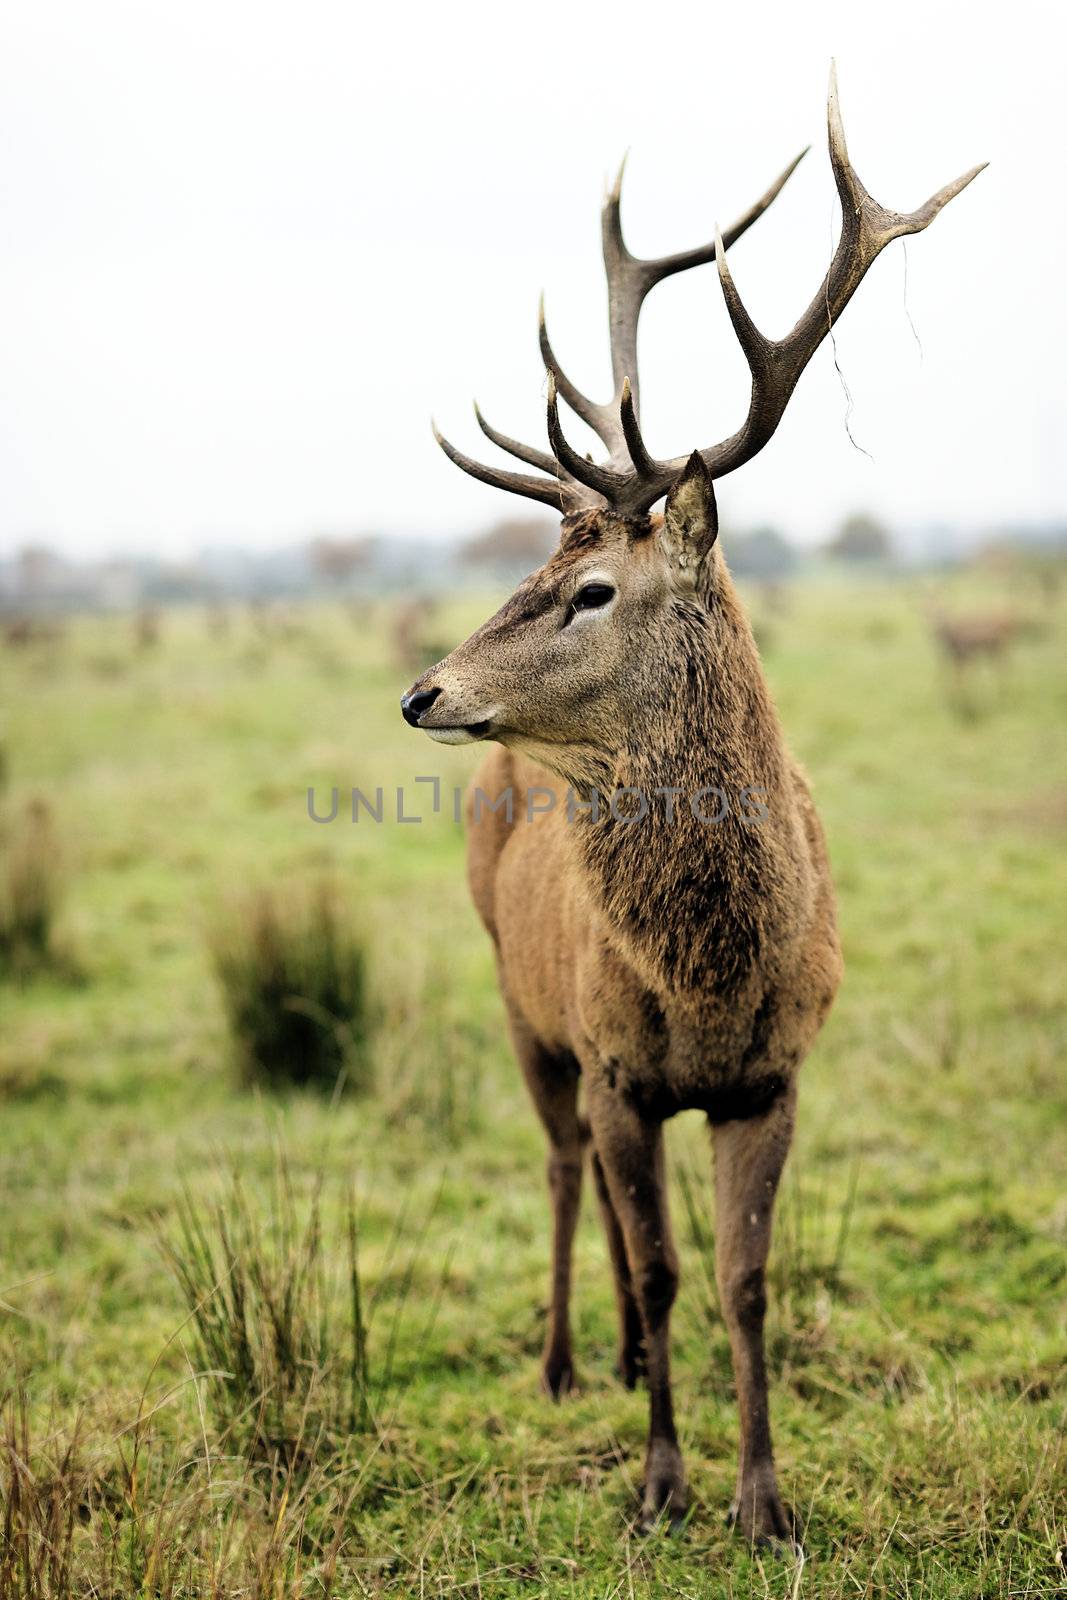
point(146, 629)
point(19, 631)
point(963, 639)
point(664, 963)
point(408, 633)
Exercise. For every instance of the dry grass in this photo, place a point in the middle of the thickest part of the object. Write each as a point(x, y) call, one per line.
point(109, 1520)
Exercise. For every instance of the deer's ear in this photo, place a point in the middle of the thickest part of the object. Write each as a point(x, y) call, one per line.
point(690, 519)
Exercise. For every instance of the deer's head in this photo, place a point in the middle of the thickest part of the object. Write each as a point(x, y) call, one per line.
point(561, 665)
point(565, 664)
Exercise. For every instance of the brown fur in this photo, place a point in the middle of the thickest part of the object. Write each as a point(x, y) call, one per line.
point(653, 966)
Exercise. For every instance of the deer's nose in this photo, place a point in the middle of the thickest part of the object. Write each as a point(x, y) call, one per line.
point(415, 706)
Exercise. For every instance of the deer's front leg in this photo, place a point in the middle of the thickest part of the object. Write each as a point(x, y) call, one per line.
point(748, 1163)
point(630, 1151)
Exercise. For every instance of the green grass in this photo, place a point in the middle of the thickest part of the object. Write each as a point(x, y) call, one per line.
point(918, 1325)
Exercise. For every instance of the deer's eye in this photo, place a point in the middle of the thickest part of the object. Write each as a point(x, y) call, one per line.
point(591, 596)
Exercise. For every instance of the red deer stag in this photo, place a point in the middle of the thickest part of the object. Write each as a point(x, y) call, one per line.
point(658, 961)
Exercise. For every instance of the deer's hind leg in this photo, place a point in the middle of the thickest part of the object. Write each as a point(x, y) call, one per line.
point(749, 1156)
point(631, 1362)
point(630, 1150)
point(553, 1083)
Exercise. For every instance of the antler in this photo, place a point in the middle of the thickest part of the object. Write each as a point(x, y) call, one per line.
point(632, 481)
point(577, 481)
point(629, 280)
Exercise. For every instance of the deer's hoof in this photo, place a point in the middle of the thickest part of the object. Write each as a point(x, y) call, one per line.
point(666, 1497)
point(763, 1519)
point(558, 1376)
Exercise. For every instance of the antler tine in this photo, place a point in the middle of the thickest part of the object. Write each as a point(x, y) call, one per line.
point(757, 349)
point(599, 418)
point(644, 465)
point(630, 277)
point(550, 492)
point(777, 364)
point(514, 447)
point(601, 480)
point(625, 289)
point(923, 217)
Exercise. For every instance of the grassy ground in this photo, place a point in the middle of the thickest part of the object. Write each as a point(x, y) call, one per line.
point(918, 1326)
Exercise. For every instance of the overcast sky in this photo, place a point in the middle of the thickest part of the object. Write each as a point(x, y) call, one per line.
point(248, 248)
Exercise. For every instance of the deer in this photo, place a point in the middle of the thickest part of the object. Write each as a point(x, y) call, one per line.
point(965, 638)
point(408, 631)
point(652, 961)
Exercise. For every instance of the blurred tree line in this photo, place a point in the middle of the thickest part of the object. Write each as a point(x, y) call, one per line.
point(516, 545)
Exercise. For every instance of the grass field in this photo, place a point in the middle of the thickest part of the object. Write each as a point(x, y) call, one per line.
point(918, 1322)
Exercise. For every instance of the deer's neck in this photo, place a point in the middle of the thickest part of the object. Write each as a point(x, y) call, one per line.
point(700, 902)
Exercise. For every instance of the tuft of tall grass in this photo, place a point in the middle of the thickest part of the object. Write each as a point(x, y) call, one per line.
point(280, 1324)
point(292, 971)
point(29, 889)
